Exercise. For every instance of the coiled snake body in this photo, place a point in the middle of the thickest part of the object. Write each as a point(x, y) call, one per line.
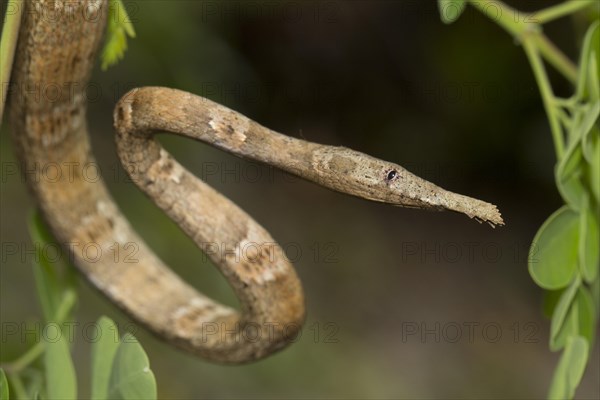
point(61, 50)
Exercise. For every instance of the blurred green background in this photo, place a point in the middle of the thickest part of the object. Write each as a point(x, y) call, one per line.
point(401, 303)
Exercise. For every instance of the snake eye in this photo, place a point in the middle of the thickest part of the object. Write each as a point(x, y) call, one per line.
point(391, 175)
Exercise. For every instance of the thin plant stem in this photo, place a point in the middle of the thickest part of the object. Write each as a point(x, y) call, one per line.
point(564, 118)
point(8, 44)
point(569, 103)
point(26, 359)
point(507, 18)
point(63, 309)
point(561, 10)
point(503, 15)
point(537, 46)
point(546, 92)
point(556, 58)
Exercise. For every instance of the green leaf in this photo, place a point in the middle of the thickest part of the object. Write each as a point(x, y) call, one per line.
point(575, 314)
point(595, 294)
point(560, 313)
point(569, 171)
point(553, 253)
point(131, 376)
point(590, 42)
point(60, 373)
point(594, 164)
point(570, 369)
point(103, 355)
point(53, 277)
point(569, 328)
point(589, 250)
point(450, 10)
point(585, 128)
point(594, 72)
point(587, 315)
point(590, 117)
point(572, 190)
point(593, 86)
point(65, 307)
point(3, 386)
point(571, 162)
point(46, 278)
point(588, 142)
point(119, 27)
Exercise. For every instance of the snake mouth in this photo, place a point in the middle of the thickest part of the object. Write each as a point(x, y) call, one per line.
point(478, 210)
point(417, 193)
point(358, 174)
point(475, 209)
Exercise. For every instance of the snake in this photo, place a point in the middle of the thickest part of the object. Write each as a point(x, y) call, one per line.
point(53, 130)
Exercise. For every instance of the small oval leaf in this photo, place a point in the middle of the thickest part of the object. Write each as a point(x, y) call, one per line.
point(594, 163)
point(593, 85)
point(587, 143)
point(569, 370)
point(3, 386)
point(572, 190)
point(569, 329)
point(568, 173)
point(60, 373)
point(589, 250)
point(561, 312)
point(103, 355)
point(553, 253)
point(45, 275)
point(590, 42)
point(585, 128)
point(131, 376)
point(450, 10)
point(595, 296)
point(587, 314)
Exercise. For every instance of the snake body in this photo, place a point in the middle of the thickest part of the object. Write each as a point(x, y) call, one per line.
point(61, 51)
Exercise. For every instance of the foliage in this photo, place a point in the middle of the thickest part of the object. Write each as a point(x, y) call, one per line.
point(564, 256)
point(3, 386)
point(450, 10)
point(119, 27)
point(120, 366)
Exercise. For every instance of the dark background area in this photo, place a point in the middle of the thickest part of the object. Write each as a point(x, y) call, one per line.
point(401, 303)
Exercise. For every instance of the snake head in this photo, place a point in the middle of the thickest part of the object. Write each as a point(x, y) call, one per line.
point(352, 172)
